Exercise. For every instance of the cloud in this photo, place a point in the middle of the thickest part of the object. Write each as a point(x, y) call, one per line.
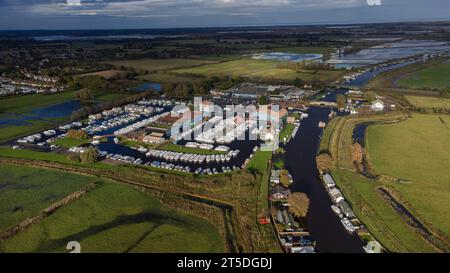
point(150, 13)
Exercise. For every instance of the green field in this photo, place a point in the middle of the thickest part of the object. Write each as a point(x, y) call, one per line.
point(153, 65)
point(381, 220)
point(25, 191)
point(417, 152)
point(115, 218)
point(259, 161)
point(163, 77)
point(11, 106)
point(434, 76)
point(67, 142)
point(258, 69)
point(25, 103)
point(287, 131)
point(428, 102)
point(14, 131)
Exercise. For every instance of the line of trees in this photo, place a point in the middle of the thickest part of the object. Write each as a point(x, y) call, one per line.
point(99, 107)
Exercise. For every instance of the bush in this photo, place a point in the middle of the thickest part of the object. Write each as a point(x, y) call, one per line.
point(89, 156)
point(73, 158)
point(77, 134)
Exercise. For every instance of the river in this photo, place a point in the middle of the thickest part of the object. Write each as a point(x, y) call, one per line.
point(301, 151)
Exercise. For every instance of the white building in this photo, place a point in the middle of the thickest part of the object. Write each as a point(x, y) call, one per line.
point(377, 105)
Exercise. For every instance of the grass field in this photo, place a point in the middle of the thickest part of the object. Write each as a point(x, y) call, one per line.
point(416, 151)
point(259, 161)
point(25, 103)
point(13, 131)
point(152, 65)
point(436, 75)
point(428, 102)
point(107, 74)
point(432, 74)
point(25, 191)
point(381, 220)
point(258, 69)
point(115, 218)
point(68, 142)
point(286, 132)
point(163, 77)
point(11, 106)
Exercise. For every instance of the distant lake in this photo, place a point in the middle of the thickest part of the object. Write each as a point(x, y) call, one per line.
point(146, 86)
point(281, 56)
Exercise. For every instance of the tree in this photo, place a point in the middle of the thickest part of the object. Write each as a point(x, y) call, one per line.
point(263, 100)
point(89, 156)
point(77, 134)
point(84, 94)
point(299, 204)
point(370, 96)
point(340, 100)
point(299, 82)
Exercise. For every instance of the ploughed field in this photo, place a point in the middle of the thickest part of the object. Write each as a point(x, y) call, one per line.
point(416, 153)
point(110, 218)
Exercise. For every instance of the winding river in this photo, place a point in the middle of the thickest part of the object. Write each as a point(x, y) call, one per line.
point(301, 151)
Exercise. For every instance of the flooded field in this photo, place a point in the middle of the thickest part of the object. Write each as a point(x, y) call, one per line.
point(60, 110)
point(387, 52)
point(280, 56)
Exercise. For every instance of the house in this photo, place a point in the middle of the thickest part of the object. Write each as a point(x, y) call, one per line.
point(290, 120)
point(268, 114)
point(279, 193)
point(154, 137)
point(377, 105)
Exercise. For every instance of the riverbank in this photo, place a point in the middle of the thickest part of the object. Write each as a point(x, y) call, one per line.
point(375, 211)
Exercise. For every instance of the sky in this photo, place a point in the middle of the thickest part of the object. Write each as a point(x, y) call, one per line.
point(111, 14)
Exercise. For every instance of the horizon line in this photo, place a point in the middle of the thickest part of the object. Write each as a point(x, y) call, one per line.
point(434, 20)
